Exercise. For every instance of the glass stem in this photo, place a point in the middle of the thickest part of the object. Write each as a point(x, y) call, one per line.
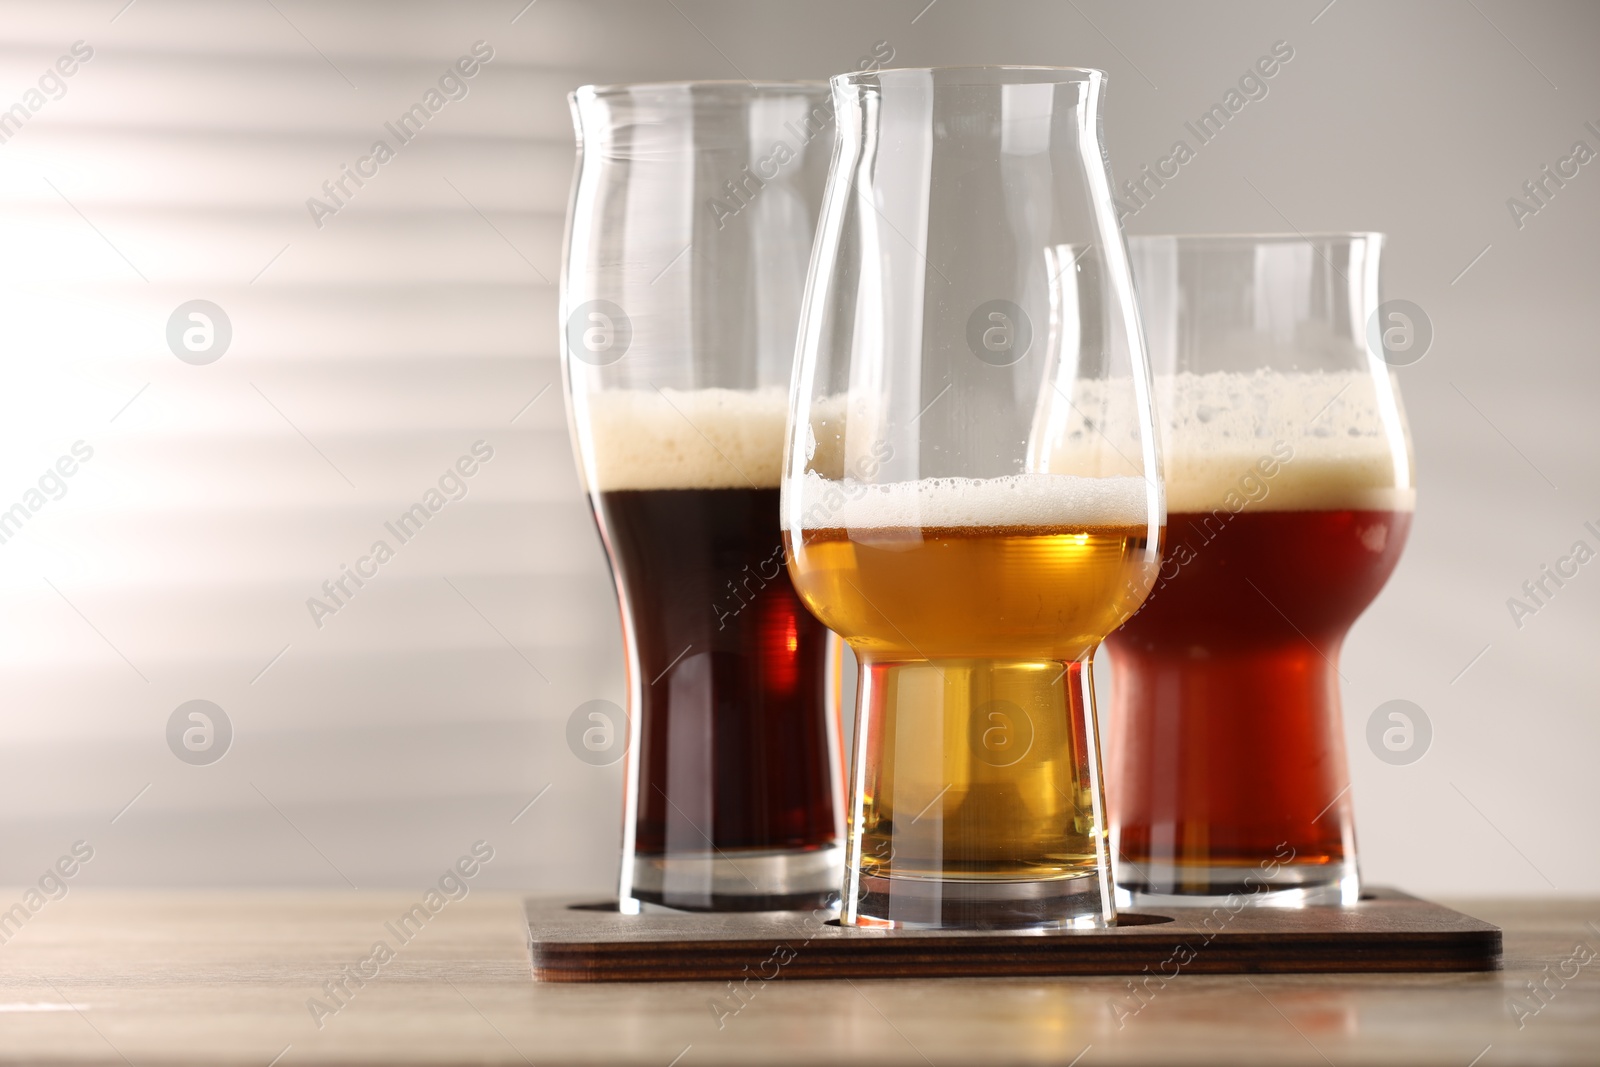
point(976, 795)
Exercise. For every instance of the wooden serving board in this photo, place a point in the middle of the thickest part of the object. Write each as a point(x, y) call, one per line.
point(1386, 931)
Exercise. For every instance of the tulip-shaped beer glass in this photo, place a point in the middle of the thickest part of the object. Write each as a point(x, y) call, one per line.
point(690, 229)
point(1290, 491)
point(971, 491)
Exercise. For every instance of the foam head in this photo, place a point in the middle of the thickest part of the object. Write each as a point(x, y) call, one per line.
point(1051, 501)
point(684, 439)
point(1327, 437)
point(1272, 441)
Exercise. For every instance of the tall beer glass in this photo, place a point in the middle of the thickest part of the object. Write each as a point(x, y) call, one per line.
point(690, 228)
point(1290, 492)
point(971, 490)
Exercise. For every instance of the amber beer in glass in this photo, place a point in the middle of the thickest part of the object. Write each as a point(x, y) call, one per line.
point(1290, 494)
point(690, 228)
point(968, 316)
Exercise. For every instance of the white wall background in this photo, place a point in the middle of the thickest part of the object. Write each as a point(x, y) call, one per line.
point(370, 353)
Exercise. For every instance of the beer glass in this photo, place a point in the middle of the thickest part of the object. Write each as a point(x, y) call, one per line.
point(690, 227)
point(1290, 493)
point(971, 489)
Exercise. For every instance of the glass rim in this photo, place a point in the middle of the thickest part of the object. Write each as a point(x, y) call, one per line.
point(1261, 237)
point(733, 87)
point(1063, 75)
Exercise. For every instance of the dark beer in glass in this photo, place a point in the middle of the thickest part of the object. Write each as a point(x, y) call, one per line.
point(689, 232)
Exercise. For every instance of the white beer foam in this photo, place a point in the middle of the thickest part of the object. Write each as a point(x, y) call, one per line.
point(686, 438)
point(1329, 440)
point(1222, 430)
point(1052, 500)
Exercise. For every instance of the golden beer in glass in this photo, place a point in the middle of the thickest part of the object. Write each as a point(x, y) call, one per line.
point(972, 494)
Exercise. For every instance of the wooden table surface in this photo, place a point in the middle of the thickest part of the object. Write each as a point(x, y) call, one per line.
point(225, 978)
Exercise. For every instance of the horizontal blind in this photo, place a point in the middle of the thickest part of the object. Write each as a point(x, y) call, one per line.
point(371, 349)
